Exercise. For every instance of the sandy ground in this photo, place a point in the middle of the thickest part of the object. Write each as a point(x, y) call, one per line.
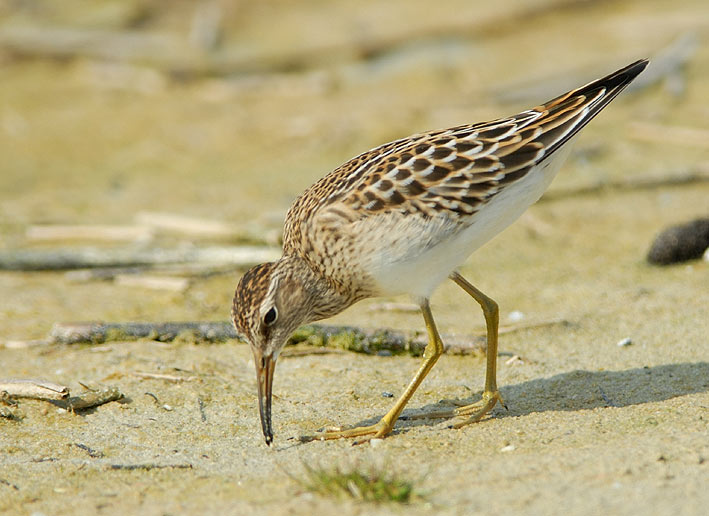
point(591, 426)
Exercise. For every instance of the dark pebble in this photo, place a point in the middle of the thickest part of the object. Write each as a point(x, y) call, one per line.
point(680, 243)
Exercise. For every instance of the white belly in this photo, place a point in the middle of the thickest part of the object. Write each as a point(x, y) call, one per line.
point(402, 267)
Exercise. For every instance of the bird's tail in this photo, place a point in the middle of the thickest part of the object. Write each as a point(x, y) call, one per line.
point(584, 103)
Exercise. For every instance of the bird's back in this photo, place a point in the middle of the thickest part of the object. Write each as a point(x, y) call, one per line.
point(399, 218)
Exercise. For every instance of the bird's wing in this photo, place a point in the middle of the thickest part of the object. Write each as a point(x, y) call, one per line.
point(455, 171)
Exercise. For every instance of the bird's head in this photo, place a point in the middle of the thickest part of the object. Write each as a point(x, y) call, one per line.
point(270, 302)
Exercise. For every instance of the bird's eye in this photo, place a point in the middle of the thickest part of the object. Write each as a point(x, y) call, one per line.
point(270, 316)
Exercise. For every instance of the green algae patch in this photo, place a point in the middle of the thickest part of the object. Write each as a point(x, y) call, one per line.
point(348, 338)
point(367, 485)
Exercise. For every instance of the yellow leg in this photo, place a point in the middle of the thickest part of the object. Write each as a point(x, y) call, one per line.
point(491, 395)
point(434, 349)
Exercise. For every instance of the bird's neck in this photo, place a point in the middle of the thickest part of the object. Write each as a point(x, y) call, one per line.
point(325, 297)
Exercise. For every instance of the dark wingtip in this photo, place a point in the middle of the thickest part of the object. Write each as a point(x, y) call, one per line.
point(602, 90)
point(618, 79)
point(632, 70)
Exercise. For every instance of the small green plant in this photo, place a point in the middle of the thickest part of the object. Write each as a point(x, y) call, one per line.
point(367, 485)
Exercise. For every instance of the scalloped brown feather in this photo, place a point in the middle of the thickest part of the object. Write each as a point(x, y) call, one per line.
point(455, 171)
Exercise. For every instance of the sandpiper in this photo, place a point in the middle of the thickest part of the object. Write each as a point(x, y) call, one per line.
point(399, 219)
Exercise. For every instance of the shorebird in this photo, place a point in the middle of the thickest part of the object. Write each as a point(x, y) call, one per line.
point(400, 219)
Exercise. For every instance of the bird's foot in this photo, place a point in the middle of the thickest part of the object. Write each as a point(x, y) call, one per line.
point(477, 411)
point(376, 431)
point(474, 411)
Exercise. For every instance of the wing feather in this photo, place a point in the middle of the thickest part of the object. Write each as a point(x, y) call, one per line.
point(455, 171)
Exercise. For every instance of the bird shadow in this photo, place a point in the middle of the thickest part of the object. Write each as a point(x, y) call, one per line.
point(585, 390)
point(574, 391)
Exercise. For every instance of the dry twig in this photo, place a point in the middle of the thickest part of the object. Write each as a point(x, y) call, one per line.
point(699, 174)
point(668, 62)
point(670, 134)
point(23, 344)
point(91, 398)
point(513, 328)
point(161, 376)
point(175, 55)
point(106, 233)
point(94, 454)
point(170, 283)
point(75, 333)
point(348, 338)
point(89, 257)
point(6, 413)
point(35, 389)
point(665, 64)
point(202, 270)
point(149, 466)
point(185, 225)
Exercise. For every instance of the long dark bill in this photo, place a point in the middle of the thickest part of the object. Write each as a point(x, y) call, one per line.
point(265, 366)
